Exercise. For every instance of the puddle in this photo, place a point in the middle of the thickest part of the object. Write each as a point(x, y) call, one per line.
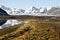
point(11, 23)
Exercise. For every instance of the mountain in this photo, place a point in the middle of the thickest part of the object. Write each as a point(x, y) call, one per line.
point(32, 10)
point(4, 8)
point(42, 11)
point(36, 10)
point(15, 11)
point(54, 11)
point(12, 11)
point(3, 12)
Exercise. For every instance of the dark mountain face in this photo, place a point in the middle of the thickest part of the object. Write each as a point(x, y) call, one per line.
point(3, 13)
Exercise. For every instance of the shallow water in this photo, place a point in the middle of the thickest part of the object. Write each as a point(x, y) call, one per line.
point(11, 23)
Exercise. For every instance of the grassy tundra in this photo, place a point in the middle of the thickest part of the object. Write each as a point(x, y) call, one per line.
point(35, 29)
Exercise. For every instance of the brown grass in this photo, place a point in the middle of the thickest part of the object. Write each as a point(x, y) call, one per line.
point(34, 30)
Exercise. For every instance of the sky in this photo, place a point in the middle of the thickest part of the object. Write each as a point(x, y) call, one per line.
point(25, 4)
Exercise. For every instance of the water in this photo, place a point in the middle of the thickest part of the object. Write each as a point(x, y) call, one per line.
point(8, 23)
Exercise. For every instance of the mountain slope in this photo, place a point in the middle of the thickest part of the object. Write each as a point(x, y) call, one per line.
point(4, 8)
point(3, 12)
point(16, 11)
point(54, 11)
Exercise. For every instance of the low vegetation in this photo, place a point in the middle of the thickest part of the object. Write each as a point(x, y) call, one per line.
point(34, 30)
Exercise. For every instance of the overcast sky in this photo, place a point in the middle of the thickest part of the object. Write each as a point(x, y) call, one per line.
point(25, 4)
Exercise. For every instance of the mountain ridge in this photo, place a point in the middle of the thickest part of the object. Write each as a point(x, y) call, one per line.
point(42, 11)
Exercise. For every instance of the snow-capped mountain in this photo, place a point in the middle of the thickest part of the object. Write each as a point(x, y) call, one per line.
point(32, 10)
point(15, 11)
point(42, 11)
point(36, 10)
point(12, 11)
point(54, 11)
point(18, 11)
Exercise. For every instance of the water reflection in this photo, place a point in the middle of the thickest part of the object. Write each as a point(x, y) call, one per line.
point(7, 23)
point(2, 22)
